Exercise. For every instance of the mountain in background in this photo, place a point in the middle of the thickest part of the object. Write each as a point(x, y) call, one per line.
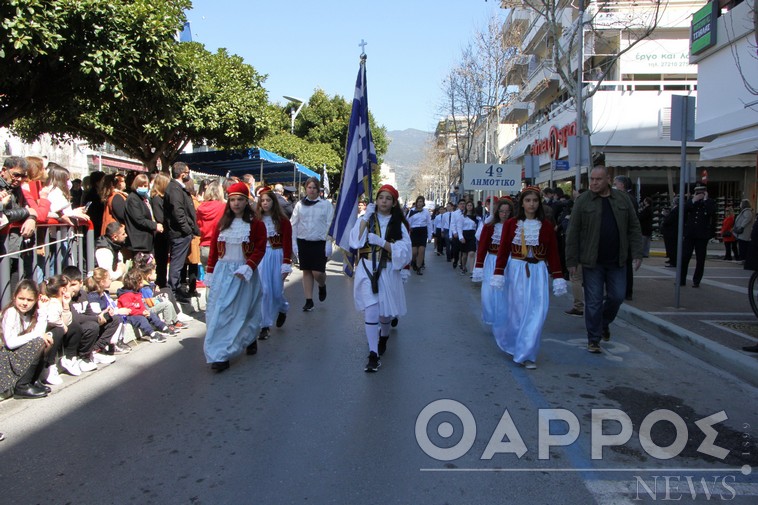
point(405, 154)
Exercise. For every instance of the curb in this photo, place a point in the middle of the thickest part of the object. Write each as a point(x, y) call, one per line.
point(734, 362)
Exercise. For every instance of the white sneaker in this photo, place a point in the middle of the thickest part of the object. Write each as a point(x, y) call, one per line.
point(52, 377)
point(102, 359)
point(71, 366)
point(86, 365)
point(184, 318)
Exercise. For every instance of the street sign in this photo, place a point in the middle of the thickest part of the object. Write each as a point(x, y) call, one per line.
point(488, 176)
point(561, 164)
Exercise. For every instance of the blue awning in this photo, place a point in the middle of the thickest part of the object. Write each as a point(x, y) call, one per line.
point(269, 166)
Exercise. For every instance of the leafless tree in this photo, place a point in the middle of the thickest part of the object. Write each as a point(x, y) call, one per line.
point(610, 28)
point(474, 88)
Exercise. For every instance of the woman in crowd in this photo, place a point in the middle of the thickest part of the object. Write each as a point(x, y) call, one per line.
point(59, 195)
point(277, 262)
point(35, 191)
point(310, 224)
point(727, 234)
point(114, 200)
point(24, 340)
point(421, 231)
point(528, 246)
point(161, 241)
point(233, 313)
point(492, 299)
point(140, 222)
point(384, 245)
point(208, 214)
point(468, 225)
point(743, 226)
point(92, 203)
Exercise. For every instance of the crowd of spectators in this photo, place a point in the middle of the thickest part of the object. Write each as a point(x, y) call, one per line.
point(151, 238)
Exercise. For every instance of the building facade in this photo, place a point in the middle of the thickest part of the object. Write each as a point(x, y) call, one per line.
point(628, 112)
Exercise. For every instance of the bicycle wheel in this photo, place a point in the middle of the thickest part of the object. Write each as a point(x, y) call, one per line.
point(752, 292)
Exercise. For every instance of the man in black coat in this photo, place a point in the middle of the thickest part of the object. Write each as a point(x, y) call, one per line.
point(181, 223)
point(18, 221)
point(699, 227)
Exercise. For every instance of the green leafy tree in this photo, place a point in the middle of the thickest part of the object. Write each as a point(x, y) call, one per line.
point(199, 97)
point(321, 135)
point(54, 52)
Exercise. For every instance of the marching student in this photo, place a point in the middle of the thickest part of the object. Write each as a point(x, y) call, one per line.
point(310, 225)
point(384, 245)
point(493, 300)
point(528, 246)
point(277, 262)
point(421, 232)
point(467, 236)
point(233, 312)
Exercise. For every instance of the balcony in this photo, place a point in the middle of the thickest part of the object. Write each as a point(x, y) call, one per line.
point(516, 69)
point(516, 112)
point(518, 21)
point(540, 80)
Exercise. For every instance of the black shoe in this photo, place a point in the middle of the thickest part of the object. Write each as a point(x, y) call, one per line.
point(373, 363)
point(419, 272)
point(695, 284)
point(40, 385)
point(322, 293)
point(574, 312)
point(593, 348)
point(606, 335)
point(220, 366)
point(28, 391)
point(280, 319)
point(751, 348)
point(264, 334)
point(308, 305)
point(394, 322)
point(252, 348)
point(455, 264)
point(382, 344)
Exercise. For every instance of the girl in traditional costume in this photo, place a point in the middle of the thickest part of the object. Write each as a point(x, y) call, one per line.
point(384, 246)
point(528, 247)
point(233, 313)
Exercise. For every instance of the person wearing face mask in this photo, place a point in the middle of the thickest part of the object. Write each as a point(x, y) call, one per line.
point(140, 222)
point(179, 213)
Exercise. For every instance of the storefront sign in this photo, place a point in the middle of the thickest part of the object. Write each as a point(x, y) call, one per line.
point(703, 29)
point(556, 138)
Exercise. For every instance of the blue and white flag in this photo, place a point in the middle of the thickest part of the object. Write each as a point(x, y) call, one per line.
point(356, 173)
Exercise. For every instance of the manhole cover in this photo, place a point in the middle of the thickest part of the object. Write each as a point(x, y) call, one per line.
point(748, 328)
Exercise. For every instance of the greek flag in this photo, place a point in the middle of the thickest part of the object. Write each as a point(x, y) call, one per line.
point(327, 191)
point(356, 173)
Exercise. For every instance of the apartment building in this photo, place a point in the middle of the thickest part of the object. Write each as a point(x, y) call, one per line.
point(629, 113)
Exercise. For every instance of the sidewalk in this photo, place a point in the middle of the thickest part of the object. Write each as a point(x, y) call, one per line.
point(712, 322)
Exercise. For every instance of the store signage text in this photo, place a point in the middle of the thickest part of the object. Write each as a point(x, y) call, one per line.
point(556, 138)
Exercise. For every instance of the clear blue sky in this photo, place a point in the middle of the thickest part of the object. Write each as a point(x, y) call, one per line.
point(306, 44)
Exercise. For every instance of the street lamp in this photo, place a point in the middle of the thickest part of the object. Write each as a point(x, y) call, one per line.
point(294, 111)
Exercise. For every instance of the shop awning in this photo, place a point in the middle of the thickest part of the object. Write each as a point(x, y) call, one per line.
point(265, 165)
point(731, 144)
point(103, 160)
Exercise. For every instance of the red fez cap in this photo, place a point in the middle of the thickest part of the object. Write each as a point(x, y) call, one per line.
point(263, 189)
point(533, 189)
point(389, 189)
point(239, 188)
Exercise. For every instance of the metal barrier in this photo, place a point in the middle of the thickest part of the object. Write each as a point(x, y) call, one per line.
point(63, 245)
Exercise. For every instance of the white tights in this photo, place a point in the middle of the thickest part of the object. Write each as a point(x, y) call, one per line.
point(372, 319)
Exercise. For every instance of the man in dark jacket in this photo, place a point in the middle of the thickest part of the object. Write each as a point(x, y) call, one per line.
point(20, 223)
point(699, 228)
point(180, 220)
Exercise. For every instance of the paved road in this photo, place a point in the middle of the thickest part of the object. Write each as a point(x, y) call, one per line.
point(302, 423)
